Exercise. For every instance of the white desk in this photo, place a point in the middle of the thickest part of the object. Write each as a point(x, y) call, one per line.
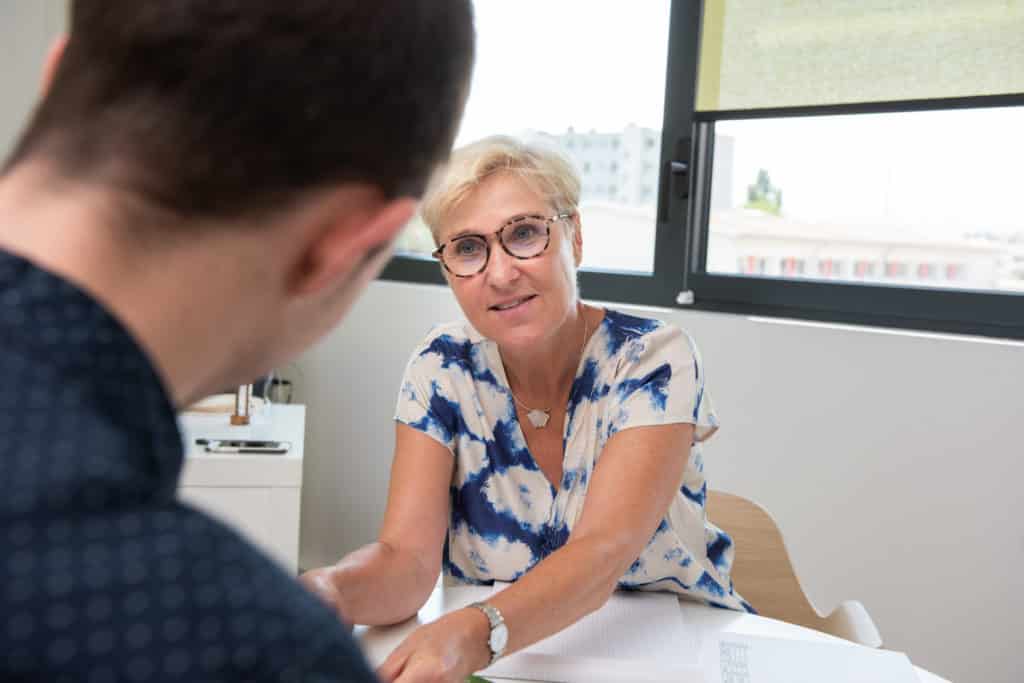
point(259, 495)
point(710, 622)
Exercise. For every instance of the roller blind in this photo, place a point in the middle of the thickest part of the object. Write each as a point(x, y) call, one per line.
point(793, 53)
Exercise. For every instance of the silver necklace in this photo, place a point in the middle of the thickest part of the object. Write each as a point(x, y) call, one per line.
point(539, 417)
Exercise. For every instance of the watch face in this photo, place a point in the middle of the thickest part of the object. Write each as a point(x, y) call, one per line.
point(499, 638)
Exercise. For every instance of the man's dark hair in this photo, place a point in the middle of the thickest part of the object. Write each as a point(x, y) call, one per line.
point(221, 108)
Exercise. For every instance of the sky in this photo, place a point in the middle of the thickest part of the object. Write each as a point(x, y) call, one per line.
point(946, 173)
point(593, 66)
point(548, 65)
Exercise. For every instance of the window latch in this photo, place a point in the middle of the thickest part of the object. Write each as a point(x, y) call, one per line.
point(685, 297)
point(679, 168)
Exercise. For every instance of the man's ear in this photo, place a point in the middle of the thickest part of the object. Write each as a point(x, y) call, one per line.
point(53, 57)
point(352, 231)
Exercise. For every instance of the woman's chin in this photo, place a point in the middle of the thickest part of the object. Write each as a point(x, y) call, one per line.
point(516, 340)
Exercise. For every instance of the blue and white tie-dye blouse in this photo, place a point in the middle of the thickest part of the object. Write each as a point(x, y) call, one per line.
point(505, 515)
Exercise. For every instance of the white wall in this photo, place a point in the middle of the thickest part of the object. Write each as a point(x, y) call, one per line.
point(891, 462)
point(27, 27)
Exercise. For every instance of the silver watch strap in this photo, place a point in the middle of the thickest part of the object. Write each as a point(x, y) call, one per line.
point(495, 619)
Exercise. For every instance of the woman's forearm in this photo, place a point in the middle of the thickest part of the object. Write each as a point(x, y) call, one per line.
point(381, 584)
point(569, 584)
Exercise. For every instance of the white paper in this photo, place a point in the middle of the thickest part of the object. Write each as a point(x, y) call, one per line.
point(734, 658)
point(636, 637)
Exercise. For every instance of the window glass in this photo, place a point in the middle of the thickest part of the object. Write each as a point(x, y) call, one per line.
point(881, 198)
point(556, 80)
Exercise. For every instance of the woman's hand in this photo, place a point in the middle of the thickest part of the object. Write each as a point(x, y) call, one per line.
point(445, 651)
point(321, 583)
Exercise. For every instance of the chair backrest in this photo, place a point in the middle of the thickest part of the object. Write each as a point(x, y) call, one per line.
point(761, 570)
point(763, 573)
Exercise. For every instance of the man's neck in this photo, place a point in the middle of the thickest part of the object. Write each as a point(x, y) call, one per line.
point(69, 230)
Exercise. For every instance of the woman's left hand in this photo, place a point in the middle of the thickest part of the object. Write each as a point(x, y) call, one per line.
point(444, 651)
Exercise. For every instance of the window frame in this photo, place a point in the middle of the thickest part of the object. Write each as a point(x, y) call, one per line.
point(680, 278)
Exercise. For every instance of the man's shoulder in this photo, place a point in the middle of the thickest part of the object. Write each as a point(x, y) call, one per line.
point(165, 590)
point(291, 632)
point(303, 639)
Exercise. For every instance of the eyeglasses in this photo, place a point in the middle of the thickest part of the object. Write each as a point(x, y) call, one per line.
point(523, 237)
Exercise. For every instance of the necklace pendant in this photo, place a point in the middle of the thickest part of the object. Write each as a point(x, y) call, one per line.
point(538, 418)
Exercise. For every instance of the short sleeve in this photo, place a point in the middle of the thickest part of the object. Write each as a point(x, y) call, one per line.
point(425, 401)
point(660, 380)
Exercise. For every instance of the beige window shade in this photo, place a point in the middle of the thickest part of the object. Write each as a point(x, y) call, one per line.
point(792, 53)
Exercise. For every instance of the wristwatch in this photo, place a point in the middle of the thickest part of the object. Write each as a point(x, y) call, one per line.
point(498, 639)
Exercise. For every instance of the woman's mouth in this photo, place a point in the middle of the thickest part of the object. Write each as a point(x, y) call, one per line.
point(512, 304)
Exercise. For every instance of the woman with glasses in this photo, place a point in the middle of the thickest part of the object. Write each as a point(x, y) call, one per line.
point(543, 441)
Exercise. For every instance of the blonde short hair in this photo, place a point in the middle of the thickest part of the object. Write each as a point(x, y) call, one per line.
point(542, 167)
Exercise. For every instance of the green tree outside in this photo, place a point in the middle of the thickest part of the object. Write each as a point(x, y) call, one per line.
point(763, 196)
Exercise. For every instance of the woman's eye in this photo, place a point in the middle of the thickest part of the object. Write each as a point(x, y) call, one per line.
point(525, 232)
point(467, 247)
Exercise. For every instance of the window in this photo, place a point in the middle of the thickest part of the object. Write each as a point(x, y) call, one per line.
point(870, 180)
point(842, 153)
point(768, 183)
point(526, 94)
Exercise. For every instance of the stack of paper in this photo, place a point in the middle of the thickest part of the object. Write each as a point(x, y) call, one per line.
point(636, 637)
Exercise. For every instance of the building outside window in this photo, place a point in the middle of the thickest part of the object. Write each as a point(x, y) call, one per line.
point(864, 269)
point(895, 269)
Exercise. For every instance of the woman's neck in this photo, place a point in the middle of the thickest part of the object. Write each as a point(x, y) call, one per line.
point(541, 376)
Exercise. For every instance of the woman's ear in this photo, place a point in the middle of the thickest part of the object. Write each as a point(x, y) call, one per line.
point(577, 239)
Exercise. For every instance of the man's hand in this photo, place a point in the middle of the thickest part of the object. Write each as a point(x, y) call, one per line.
point(445, 651)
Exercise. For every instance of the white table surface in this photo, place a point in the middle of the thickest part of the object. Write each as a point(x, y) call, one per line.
point(377, 642)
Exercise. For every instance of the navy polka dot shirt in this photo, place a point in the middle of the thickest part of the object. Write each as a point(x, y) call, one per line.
point(104, 576)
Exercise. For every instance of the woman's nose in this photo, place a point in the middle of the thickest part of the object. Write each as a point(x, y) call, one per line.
point(502, 269)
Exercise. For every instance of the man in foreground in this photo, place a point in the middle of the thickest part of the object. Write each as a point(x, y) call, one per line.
point(202, 192)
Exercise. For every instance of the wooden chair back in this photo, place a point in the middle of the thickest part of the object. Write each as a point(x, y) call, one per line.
point(763, 573)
